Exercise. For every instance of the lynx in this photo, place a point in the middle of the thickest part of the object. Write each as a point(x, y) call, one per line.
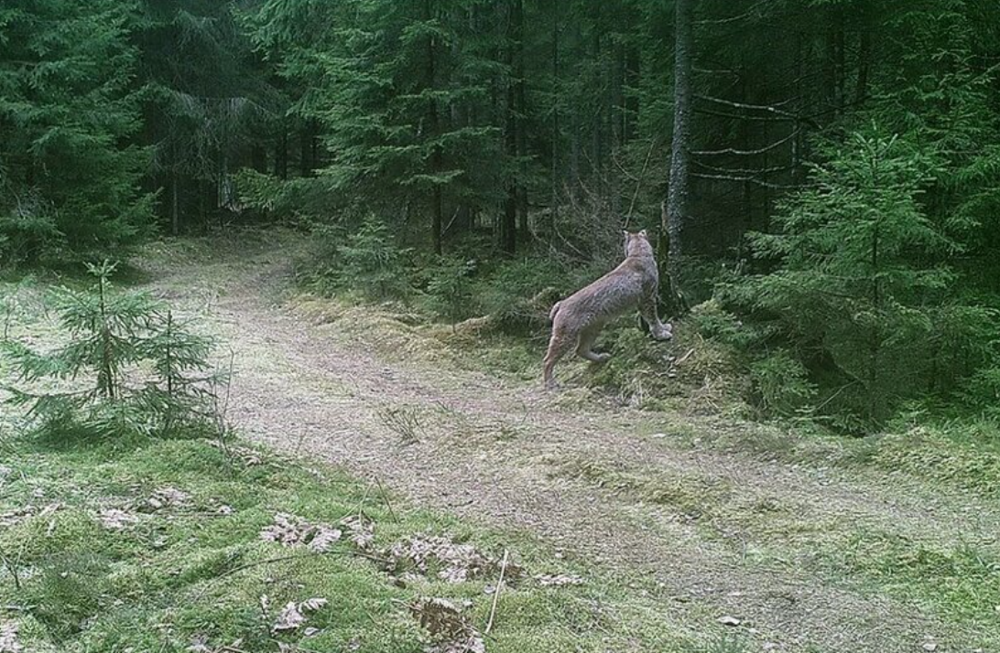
point(579, 318)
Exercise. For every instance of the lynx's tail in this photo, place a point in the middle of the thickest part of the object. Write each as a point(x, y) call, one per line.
point(555, 309)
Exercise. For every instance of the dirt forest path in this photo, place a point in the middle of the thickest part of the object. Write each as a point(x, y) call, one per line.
point(506, 454)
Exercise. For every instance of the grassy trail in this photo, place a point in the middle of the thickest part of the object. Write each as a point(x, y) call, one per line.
point(687, 509)
point(692, 533)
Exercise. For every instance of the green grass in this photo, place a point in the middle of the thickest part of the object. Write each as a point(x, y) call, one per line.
point(184, 572)
point(957, 581)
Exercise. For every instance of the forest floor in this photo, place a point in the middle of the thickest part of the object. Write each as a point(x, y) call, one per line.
point(703, 514)
point(747, 536)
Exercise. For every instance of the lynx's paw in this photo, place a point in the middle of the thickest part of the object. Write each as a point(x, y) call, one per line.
point(663, 332)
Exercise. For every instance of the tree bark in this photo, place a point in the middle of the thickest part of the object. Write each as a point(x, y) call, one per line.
point(433, 120)
point(508, 221)
point(281, 154)
point(676, 214)
point(520, 111)
point(175, 215)
point(554, 201)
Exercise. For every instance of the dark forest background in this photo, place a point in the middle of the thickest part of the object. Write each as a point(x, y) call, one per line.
point(823, 176)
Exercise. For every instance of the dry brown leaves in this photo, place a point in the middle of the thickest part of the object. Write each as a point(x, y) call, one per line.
point(449, 629)
point(247, 456)
point(289, 530)
point(454, 562)
point(360, 530)
point(293, 615)
point(558, 580)
point(14, 517)
point(9, 642)
point(115, 519)
point(167, 497)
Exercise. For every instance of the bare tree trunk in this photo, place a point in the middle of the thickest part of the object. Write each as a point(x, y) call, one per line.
point(677, 197)
point(436, 164)
point(281, 154)
point(519, 122)
point(864, 61)
point(554, 201)
point(508, 221)
point(175, 217)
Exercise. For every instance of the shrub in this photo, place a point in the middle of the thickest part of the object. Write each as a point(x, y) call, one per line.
point(366, 259)
point(780, 384)
point(861, 290)
point(140, 370)
point(449, 288)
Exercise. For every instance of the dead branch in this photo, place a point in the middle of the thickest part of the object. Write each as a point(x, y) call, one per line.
point(496, 594)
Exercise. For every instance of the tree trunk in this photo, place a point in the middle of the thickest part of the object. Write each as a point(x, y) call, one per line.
point(305, 150)
point(520, 111)
point(175, 216)
point(281, 154)
point(864, 60)
point(508, 221)
point(554, 201)
point(677, 198)
point(436, 163)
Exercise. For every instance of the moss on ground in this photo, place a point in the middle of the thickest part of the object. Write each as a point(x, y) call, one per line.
point(197, 571)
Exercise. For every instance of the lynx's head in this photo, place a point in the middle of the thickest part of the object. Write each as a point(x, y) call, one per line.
point(637, 244)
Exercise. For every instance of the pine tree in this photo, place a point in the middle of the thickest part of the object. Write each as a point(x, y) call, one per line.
point(69, 173)
point(863, 288)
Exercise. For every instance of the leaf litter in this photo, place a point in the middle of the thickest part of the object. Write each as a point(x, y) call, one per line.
point(293, 615)
point(442, 556)
point(449, 628)
point(289, 530)
point(9, 642)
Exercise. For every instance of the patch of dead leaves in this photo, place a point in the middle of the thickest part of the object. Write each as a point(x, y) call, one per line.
point(289, 530)
point(293, 615)
point(455, 562)
point(360, 530)
point(247, 456)
point(450, 630)
point(167, 497)
point(558, 580)
point(115, 519)
point(14, 517)
point(199, 644)
point(9, 642)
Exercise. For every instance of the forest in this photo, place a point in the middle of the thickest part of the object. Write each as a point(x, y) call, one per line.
point(827, 170)
point(267, 218)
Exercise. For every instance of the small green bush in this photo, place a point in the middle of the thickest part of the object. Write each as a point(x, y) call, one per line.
point(781, 384)
point(450, 288)
point(367, 260)
point(128, 367)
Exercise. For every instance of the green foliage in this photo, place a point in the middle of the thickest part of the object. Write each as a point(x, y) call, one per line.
point(388, 74)
point(367, 260)
point(140, 370)
point(862, 291)
point(781, 384)
point(69, 178)
point(518, 294)
point(450, 288)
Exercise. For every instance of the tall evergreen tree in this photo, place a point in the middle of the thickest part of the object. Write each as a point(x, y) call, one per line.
point(69, 113)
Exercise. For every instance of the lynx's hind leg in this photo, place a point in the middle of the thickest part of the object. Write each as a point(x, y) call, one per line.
point(559, 344)
point(584, 347)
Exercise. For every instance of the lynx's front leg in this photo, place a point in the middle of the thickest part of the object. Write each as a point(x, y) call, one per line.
point(657, 329)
